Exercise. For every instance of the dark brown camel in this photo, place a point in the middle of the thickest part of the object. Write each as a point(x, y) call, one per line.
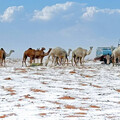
point(28, 53)
point(2, 56)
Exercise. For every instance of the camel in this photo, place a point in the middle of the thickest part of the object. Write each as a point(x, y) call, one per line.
point(28, 53)
point(115, 55)
point(2, 56)
point(58, 53)
point(32, 53)
point(59, 59)
point(41, 54)
point(79, 54)
point(45, 54)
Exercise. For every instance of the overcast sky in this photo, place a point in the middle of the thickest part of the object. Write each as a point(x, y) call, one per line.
point(63, 23)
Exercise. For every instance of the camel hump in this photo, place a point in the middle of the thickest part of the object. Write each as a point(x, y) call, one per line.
point(2, 49)
point(30, 48)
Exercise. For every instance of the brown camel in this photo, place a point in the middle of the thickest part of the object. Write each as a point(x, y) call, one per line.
point(28, 53)
point(40, 54)
point(45, 54)
point(32, 53)
point(2, 56)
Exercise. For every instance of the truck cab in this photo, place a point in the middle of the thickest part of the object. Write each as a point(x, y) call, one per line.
point(101, 53)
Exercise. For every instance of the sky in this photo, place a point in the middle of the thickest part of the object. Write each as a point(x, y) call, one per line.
point(58, 23)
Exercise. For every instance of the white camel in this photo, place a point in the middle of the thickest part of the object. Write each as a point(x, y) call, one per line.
point(79, 54)
point(115, 55)
point(8, 54)
point(58, 54)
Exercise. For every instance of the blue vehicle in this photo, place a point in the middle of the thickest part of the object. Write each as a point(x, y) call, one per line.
point(101, 53)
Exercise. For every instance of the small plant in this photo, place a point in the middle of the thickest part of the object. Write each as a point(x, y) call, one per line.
point(36, 64)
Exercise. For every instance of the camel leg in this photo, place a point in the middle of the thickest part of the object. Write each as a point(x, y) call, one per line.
point(114, 60)
point(55, 61)
point(53, 58)
point(46, 63)
point(83, 60)
point(80, 60)
point(76, 60)
point(3, 62)
point(24, 61)
point(31, 60)
point(64, 60)
point(41, 60)
point(34, 60)
point(59, 61)
point(37, 60)
point(72, 60)
point(67, 61)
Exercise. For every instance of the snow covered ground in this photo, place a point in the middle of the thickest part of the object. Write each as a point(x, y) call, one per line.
point(89, 92)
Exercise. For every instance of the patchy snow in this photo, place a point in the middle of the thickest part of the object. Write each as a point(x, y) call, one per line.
point(89, 92)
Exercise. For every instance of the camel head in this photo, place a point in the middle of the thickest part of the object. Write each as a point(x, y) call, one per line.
point(2, 49)
point(50, 49)
point(69, 50)
point(43, 49)
point(91, 48)
point(12, 51)
point(8, 54)
point(48, 52)
point(88, 52)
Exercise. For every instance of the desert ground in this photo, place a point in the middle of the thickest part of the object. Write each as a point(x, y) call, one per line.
point(89, 92)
